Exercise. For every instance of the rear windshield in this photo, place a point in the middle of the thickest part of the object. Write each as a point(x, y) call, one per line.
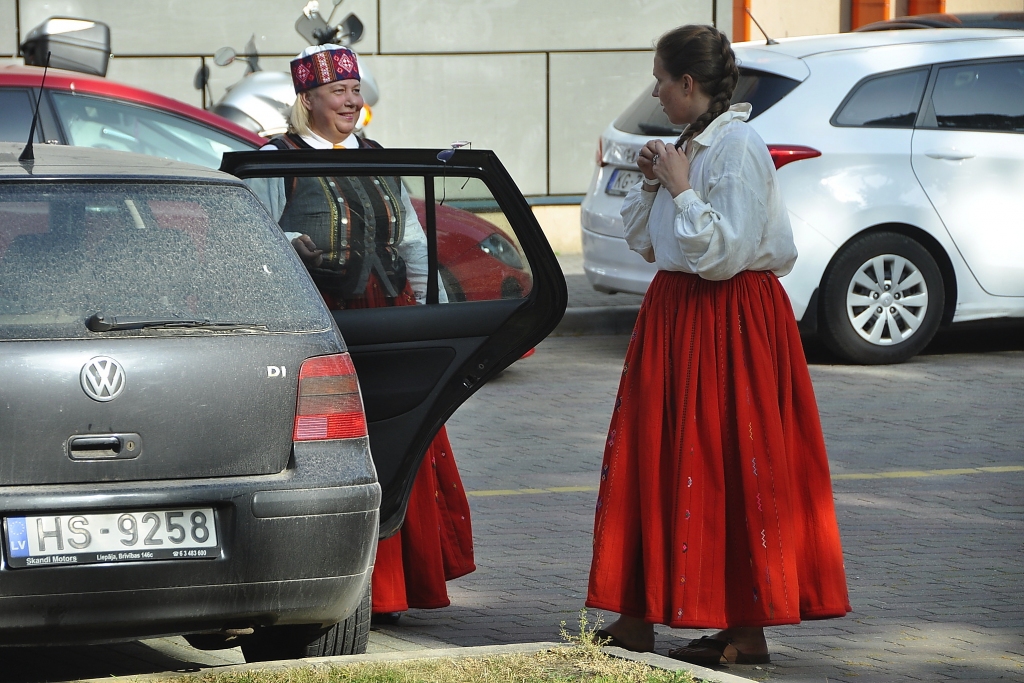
point(762, 90)
point(161, 251)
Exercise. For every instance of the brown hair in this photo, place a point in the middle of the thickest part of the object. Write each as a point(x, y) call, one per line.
point(705, 54)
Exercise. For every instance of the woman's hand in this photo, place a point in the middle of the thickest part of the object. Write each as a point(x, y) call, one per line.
point(670, 166)
point(646, 160)
point(307, 250)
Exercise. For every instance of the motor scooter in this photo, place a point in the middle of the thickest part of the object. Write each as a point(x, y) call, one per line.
point(261, 100)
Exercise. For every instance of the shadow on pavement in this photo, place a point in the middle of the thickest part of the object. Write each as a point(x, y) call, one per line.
point(967, 338)
point(30, 664)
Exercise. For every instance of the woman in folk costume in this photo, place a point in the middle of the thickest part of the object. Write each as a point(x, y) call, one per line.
point(364, 247)
point(715, 507)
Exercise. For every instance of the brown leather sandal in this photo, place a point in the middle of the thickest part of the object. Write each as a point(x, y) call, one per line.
point(605, 638)
point(711, 652)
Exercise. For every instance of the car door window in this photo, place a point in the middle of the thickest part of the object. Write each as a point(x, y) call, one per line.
point(984, 97)
point(478, 256)
point(109, 124)
point(887, 101)
point(17, 108)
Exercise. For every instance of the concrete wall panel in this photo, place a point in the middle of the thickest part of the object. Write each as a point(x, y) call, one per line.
point(8, 28)
point(170, 77)
point(784, 18)
point(176, 27)
point(588, 90)
point(495, 101)
point(531, 25)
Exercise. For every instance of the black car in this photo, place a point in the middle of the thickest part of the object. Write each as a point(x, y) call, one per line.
point(186, 448)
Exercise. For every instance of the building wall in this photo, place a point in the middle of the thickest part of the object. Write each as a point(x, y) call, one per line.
point(535, 80)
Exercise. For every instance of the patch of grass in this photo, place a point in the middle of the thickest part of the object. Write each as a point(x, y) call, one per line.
point(580, 661)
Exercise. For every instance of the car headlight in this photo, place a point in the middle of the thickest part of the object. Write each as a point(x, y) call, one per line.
point(503, 250)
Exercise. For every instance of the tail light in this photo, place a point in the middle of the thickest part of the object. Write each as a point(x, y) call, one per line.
point(329, 405)
point(785, 154)
point(600, 152)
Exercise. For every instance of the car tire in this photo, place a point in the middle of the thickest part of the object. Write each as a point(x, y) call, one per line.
point(349, 637)
point(882, 300)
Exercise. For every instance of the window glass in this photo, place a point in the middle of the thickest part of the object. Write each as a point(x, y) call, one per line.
point(889, 101)
point(108, 124)
point(16, 107)
point(170, 251)
point(762, 90)
point(373, 237)
point(980, 97)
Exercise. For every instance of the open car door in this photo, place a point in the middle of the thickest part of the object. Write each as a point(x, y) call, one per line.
point(493, 291)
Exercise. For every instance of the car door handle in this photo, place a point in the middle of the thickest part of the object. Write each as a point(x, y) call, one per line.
point(949, 154)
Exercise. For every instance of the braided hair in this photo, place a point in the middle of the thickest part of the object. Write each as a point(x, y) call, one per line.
point(704, 53)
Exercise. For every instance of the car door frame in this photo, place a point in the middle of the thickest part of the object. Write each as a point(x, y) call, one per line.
point(485, 336)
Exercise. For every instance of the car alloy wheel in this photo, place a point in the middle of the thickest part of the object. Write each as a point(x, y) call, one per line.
point(882, 299)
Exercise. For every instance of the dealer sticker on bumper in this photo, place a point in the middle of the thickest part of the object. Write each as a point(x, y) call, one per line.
point(131, 536)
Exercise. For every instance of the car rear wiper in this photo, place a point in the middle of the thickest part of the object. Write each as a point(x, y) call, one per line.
point(655, 129)
point(99, 322)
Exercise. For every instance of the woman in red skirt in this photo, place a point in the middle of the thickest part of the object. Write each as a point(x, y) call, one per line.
point(364, 248)
point(715, 508)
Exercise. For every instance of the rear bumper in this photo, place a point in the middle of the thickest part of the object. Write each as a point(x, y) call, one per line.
point(611, 266)
point(297, 548)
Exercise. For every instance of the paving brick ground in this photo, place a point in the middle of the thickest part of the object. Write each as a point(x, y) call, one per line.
point(929, 483)
point(934, 557)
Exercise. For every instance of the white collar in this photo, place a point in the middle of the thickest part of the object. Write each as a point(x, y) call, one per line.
point(317, 142)
point(737, 112)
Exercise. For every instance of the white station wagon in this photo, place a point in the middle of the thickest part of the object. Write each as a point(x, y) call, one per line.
point(901, 160)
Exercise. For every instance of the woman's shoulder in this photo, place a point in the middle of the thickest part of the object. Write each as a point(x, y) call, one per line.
point(367, 143)
point(739, 140)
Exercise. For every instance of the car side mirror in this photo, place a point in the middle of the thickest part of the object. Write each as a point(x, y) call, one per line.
point(74, 44)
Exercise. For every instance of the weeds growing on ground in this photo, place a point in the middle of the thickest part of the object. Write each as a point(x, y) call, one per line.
point(581, 660)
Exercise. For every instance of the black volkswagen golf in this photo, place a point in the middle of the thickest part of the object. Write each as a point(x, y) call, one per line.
point(185, 447)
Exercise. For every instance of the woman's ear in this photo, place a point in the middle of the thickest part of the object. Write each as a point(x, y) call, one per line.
point(686, 81)
point(306, 101)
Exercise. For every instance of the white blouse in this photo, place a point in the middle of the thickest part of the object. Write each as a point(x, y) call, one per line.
point(733, 219)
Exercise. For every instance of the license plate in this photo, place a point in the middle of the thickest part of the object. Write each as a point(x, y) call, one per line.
point(125, 536)
point(621, 181)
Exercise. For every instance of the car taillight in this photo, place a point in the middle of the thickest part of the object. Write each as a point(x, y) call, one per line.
point(329, 405)
point(785, 154)
point(600, 152)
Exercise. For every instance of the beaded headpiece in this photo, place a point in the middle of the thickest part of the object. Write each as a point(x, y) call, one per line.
point(323, 64)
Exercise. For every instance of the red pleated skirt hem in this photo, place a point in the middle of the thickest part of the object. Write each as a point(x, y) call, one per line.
point(435, 543)
point(715, 506)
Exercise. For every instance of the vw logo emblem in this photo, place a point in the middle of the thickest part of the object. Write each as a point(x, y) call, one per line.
point(102, 378)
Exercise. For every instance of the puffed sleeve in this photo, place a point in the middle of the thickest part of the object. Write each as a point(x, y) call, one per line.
point(719, 235)
point(636, 210)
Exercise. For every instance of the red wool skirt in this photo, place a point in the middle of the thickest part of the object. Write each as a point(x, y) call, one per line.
point(715, 507)
point(435, 543)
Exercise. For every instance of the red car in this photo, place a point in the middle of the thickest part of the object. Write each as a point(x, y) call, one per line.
point(478, 259)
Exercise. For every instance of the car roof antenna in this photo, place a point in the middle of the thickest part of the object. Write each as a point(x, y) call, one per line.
point(27, 154)
point(769, 39)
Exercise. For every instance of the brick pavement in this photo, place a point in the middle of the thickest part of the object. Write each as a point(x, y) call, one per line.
point(934, 559)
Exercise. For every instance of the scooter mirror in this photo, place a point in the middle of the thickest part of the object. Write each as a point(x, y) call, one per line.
point(351, 29)
point(224, 56)
point(314, 29)
point(201, 78)
point(338, 2)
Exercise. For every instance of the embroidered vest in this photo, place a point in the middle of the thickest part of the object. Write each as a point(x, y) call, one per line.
point(358, 221)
